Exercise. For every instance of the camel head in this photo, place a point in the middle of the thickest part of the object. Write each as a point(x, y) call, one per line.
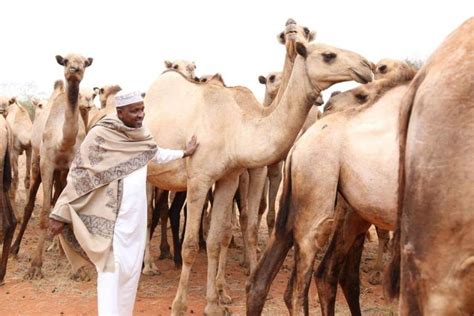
point(74, 66)
point(272, 83)
point(393, 70)
point(105, 92)
point(361, 95)
point(186, 68)
point(86, 99)
point(295, 33)
point(215, 79)
point(5, 105)
point(38, 104)
point(327, 65)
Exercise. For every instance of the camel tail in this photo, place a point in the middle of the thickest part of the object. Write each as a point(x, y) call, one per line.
point(283, 219)
point(392, 273)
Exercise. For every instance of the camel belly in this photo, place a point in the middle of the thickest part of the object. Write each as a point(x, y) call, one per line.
point(170, 176)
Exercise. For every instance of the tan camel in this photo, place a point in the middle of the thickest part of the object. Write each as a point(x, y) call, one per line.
point(7, 216)
point(345, 148)
point(107, 104)
point(234, 135)
point(20, 125)
point(63, 133)
point(435, 239)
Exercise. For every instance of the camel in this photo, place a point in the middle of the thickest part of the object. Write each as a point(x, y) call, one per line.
point(216, 79)
point(62, 135)
point(434, 241)
point(107, 104)
point(20, 126)
point(339, 156)
point(7, 216)
point(234, 135)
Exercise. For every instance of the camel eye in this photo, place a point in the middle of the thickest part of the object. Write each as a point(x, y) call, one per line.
point(361, 97)
point(329, 57)
point(306, 30)
point(383, 69)
point(271, 78)
point(175, 67)
point(204, 80)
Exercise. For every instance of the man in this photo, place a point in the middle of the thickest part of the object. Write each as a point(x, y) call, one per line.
point(105, 202)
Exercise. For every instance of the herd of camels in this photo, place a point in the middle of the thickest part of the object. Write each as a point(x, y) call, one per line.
point(395, 152)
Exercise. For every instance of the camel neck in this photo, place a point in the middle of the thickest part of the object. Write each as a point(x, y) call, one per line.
point(71, 116)
point(270, 137)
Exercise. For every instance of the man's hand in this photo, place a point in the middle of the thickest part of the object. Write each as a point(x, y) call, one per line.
point(55, 227)
point(191, 147)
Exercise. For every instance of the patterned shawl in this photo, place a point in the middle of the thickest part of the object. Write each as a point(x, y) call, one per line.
point(91, 199)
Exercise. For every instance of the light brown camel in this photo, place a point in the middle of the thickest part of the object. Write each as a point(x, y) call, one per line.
point(7, 216)
point(20, 126)
point(107, 104)
point(63, 133)
point(341, 153)
point(435, 238)
point(234, 135)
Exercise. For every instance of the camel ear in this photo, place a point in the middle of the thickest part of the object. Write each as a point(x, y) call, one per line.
point(143, 94)
point(11, 101)
point(262, 79)
point(168, 64)
point(61, 60)
point(96, 90)
point(301, 49)
point(311, 36)
point(88, 62)
point(281, 38)
point(101, 91)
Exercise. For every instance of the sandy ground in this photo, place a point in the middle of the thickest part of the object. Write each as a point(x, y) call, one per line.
point(58, 294)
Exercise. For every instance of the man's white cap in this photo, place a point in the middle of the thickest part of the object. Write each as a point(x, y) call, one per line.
point(123, 98)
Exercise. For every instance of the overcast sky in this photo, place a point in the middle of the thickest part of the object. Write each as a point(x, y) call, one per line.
point(129, 40)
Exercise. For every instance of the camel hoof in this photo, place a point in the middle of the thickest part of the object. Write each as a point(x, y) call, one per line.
point(375, 278)
point(81, 275)
point(151, 270)
point(178, 308)
point(216, 310)
point(224, 298)
point(34, 273)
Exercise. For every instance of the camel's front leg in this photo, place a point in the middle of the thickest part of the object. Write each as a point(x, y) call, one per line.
point(197, 191)
point(9, 225)
point(47, 173)
point(242, 203)
point(274, 178)
point(257, 182)
point(218, 241)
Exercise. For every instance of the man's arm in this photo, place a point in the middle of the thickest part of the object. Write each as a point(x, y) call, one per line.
point(166, 155)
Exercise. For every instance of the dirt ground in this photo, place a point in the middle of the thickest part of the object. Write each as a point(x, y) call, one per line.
point(57, 294)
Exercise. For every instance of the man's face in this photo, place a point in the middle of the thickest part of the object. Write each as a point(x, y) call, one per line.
point(132, 115)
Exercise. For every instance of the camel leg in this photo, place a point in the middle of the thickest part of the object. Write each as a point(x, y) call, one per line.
point(349, 278)
point(9, 225)
point(263, 202)
point(34, 272)
point(348, 227)
point(274, 177)
point(163, 210)
point(256, 184)
point(174, 214)
point(242, 203)
point(36, 181)
point(28, 168)
point(311, 232)
point(197, 191)
point(376, 274)
point(217, 244)
point(14, 154)
point(149, 267)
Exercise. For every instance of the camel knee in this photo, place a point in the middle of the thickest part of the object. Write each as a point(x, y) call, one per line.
point(189, 252)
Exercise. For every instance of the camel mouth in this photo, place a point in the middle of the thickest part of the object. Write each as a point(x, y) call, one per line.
point(360, 77)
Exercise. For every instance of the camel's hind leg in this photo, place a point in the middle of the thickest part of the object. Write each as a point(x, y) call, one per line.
point(348, 227)
point(217, 242)
point(377, 270)
point(28, 152)
point(174, 215)
point(274, 178)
